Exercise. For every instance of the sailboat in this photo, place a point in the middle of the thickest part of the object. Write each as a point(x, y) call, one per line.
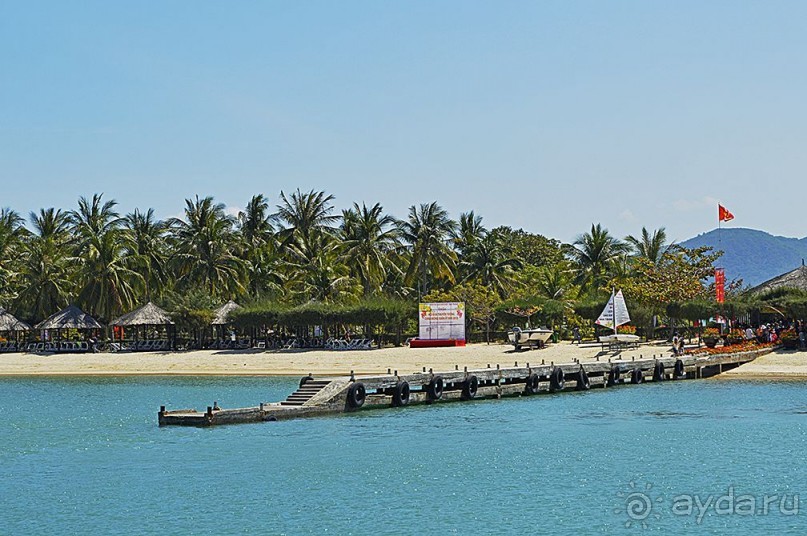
point(614, 315)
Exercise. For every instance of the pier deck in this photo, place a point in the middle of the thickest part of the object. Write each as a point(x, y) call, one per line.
point(321, 396)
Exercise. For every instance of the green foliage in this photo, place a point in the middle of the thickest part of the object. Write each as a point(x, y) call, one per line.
point(531, 249)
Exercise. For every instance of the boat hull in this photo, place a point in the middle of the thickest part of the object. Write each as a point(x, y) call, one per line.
point(529, 337)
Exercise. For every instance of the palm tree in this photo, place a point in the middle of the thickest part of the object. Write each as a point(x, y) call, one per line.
point(12, 234)
point(369, 240)
point(469, 231)
point(486, 262)
point(255, 222)
point(595, 252)
point(259, 247)
point(304, 214)
point(94, 217)
point(144, 240)
point(204, 249)
point(426, 233)
point(317, 270)
point(106, 279)
point(109, 283)
point(45, 263)
point(650, 246)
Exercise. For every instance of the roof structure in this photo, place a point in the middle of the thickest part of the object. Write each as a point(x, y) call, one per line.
point(9, 322)
point(71, 317)
point(222, 312)
point(794, 279)
point(146, 315)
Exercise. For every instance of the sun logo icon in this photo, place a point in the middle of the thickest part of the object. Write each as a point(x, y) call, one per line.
point(639, 505)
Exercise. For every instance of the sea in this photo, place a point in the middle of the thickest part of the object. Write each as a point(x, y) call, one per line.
point(86, 456)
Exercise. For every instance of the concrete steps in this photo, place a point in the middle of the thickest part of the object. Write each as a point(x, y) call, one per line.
point(304, 393)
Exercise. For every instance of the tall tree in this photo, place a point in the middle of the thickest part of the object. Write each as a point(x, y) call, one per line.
point(107, 282)
point(45, 266)
point(204, 244)
point(486, 261)
point(468, 232)
point(649, 246)
point(369, 240)
point(259, 247)
point(144, 240)
point(302, 215)
point(426, 232)
point(595, 252)
point(12, 234)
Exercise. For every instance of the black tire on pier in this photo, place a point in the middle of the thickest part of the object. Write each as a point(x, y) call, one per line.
point(434, 389)
point(305, 379)
point(470, 387)
point(678, 370)
point(400, 394)
point(637, 376)
point(658, 372)
point(356, 394)
point(556, 380)
point(613, 376)
point(531, 386)
point(583, 381)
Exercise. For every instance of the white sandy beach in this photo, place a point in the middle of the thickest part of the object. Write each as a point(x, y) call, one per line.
point(300, 362)
point(779, 365)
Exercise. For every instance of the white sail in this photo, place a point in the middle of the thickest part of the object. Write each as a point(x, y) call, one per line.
point(615, 312)
point(620, 309)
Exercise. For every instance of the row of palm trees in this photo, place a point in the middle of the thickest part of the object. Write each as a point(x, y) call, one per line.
point(297, 251)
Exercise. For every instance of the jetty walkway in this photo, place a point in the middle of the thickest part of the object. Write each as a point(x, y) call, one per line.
point(331, 395)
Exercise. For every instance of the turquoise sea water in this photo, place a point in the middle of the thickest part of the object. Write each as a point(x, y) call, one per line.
point(85, 456)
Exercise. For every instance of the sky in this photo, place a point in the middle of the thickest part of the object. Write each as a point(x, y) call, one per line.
point(548, 116)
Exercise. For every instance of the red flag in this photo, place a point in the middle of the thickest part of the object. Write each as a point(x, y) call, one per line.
point(723, 214)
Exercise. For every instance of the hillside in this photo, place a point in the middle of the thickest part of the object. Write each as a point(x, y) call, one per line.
point(755, 256)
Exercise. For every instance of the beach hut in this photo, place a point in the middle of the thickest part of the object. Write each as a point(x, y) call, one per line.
point(69, 318)
point(12, 326)
point(220, 321)
point(147, 319)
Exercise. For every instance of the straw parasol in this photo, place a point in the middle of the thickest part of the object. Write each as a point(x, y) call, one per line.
point(794, 279)
point(8, 322)
point(71, 317)
point(222, 312)
point(147, 315)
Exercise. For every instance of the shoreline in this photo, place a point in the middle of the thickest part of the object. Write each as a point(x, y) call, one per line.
point(282, 363)
point(779, 365)
point(776, 366)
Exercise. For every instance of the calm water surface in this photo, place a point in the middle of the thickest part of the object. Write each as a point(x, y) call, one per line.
point(85, 456)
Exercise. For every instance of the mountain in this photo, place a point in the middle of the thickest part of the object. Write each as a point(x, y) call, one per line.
point(755, 256)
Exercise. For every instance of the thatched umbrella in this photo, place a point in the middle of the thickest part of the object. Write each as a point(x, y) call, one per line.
point(71, 317)
point(220, 317)
point(148, 315)
point(10, 323)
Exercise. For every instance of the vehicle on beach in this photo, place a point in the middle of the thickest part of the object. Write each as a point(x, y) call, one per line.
point(533, 338)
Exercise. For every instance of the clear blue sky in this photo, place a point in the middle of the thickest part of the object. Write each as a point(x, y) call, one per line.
point(542, 115)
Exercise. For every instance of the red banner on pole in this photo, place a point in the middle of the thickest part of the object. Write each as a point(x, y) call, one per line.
point(720, 284)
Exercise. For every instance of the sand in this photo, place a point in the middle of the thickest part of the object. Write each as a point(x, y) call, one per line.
point(779, 365)
point(301, 362)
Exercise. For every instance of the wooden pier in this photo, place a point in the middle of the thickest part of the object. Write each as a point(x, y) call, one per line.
point(321, 396)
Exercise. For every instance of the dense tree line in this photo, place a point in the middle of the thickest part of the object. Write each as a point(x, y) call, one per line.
point(301, 250)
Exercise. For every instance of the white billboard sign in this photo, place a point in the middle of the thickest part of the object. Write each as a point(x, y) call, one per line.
point(442, 321)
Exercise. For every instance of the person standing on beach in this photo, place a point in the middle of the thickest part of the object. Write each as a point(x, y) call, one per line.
point(576, 335)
